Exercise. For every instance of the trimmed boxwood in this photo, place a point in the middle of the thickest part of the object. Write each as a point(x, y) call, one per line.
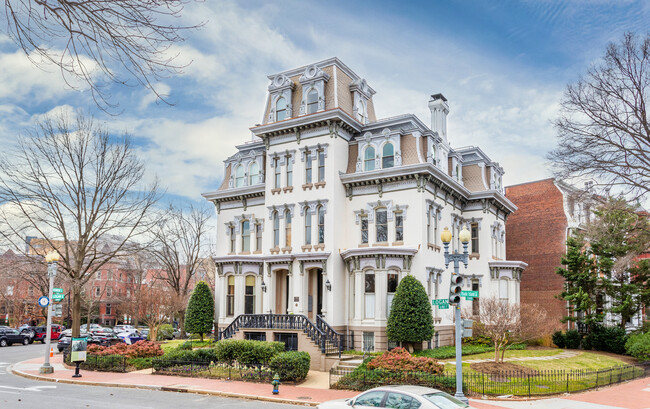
point(188, 355)
point(410, 320)
point(291, 366)
point(247, 352)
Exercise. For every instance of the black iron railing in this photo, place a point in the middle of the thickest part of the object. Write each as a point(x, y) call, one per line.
point(328, 340)
point(516, 383)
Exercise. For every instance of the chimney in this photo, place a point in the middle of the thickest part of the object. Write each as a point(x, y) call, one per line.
point(439, 110)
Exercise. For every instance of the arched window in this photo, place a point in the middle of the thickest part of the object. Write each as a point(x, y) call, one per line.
point(307, 226)
point(381, 225)
point(245, 236)
point(388, 156)
point(281, 109)
point(369, 159)
point(503, 289)
point(321, 224)
point(249, 296)
point(392, 280)
point(312, 101)
point(287, 228)
point(253, 174)
point(230, 297)
point(239, 176)
point(361, 112)
point(276, 230)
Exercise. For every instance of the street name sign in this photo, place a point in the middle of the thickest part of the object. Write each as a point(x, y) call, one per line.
point(442, 304)
point(469, 295)
point(58, 297)
point(57, 290)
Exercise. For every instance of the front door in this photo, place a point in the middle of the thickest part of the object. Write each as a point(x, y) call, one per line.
point(281, 292)
point(315, 293)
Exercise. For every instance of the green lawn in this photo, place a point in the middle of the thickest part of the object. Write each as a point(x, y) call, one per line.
point(171, 344)
point(584, 360)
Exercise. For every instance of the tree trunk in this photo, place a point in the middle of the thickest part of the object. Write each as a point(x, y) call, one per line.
point(76, 311)
point(181, 323)
point(503, 353)
point(496, 352)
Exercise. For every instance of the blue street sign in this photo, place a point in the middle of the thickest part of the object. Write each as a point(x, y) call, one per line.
point(43, 301)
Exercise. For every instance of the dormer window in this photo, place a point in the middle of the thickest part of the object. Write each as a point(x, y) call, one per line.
point(281, 112)
point(312, 101)
point(388, 156)
point(253, 174)
point(369, 159)
point(239, 176)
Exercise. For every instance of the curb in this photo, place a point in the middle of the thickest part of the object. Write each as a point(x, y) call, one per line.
point(162, 388)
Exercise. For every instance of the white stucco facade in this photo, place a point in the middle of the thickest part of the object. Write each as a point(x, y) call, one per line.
point(344, 205)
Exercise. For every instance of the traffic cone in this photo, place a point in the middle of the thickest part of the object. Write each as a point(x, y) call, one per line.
point(51, 352)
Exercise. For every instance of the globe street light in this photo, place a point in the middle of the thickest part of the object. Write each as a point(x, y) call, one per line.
point(51, 258)
point(454, 298)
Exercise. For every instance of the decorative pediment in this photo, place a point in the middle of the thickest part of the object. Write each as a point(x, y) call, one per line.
point(313, 73)
point(280, 82)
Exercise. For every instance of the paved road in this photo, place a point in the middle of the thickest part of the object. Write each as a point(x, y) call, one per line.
point(18, 392)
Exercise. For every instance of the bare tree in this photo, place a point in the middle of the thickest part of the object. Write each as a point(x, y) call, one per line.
point(97, 42)
point(178, 246)
point(510, 323)
point(158, 305)
point(603, 128)
point(78, 189)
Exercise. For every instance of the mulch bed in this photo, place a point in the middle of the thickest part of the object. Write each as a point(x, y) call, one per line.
point(499, 372)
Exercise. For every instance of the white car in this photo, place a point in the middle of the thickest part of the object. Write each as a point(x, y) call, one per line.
point(398, 397)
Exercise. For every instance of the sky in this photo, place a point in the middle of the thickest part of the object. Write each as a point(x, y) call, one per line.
point(503, 66)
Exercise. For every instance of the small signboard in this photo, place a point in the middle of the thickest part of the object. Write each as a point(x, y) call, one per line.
point(469, 295)
point(58, 310)
point(79, 346)
point(43, 301)
point(57, 290)
point(58, 297)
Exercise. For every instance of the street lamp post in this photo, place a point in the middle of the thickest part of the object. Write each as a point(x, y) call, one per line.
point(51, 258)
point(454, 299)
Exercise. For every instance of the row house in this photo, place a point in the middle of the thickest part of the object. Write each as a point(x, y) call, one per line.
point(324, 212)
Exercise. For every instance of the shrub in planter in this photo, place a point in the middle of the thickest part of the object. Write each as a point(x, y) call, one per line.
point(141, 349)
point(202, 355)
point(558, 339)
point(399, 360)
point(638, 346)
point(291, 366)
point(247, 352)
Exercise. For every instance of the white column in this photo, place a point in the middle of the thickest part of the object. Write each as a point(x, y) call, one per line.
point(222, 295)
point(358, 295)
point(326, 295)
point(259, 294)
point(240, 291)
point(381, 286)
point(292, 277)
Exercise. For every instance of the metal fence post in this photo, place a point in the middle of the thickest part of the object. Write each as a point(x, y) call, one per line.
point(529, 385)
point(567, 382)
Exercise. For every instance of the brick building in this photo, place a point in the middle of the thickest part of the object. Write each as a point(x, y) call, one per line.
point(548, 210)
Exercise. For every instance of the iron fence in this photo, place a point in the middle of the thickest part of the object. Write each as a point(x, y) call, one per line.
point(516, 383)
point(101, 363)
point(210, 369)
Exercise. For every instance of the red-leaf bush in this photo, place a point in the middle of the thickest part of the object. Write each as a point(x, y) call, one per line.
point(141, 349)
point(399, 360)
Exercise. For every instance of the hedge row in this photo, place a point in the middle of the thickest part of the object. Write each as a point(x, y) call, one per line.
point(291, 366)
point(599, 338)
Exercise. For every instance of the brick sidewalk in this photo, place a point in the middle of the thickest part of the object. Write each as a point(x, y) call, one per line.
point(631, 395)
point(248, 390)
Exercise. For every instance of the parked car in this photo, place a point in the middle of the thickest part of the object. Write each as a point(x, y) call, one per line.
point(123, 328)
point(131, 337)
point(177, 334)
point(39, 333)
point(66, 339)
point(84, 327)
point(10, 336)
point(403, 396)
point(102, 331)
